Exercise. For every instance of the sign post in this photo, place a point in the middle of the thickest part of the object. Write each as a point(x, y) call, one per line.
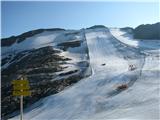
point(21, 107)
point(21, 88)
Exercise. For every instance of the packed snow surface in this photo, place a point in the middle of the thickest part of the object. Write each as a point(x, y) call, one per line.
point(127, 38)
point(98, 97)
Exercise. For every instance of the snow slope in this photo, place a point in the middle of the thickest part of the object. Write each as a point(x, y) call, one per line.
point(51, 38)
point(46, 38)
point(97, 97)
point(127, 38)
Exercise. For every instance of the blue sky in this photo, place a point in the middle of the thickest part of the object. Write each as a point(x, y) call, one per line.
point(18, 17)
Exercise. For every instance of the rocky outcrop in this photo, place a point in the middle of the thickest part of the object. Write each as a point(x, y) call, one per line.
point(45, 68)
point(148, 31)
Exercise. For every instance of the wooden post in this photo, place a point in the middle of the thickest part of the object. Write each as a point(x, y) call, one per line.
point(21, 107)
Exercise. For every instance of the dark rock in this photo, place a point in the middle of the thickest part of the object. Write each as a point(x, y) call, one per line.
point(148, 31)
point(127, 29)
point(66, 45)
point(97, 26)
point(122, 87)
point(103, 64)
point(8, 41)
point(68, 73)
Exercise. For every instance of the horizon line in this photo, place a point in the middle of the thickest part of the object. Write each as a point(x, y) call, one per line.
point(72, 29)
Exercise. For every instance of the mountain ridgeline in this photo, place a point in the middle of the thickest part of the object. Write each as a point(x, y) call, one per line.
point(144, 31)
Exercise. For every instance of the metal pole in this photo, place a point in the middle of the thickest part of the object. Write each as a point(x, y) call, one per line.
point(21, 104)
point(21, 107)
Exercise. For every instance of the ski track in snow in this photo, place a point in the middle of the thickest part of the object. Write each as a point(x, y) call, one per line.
point(96, 97)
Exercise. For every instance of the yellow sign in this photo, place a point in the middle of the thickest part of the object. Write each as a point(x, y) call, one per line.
point(19, 93)
point(21, 87)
